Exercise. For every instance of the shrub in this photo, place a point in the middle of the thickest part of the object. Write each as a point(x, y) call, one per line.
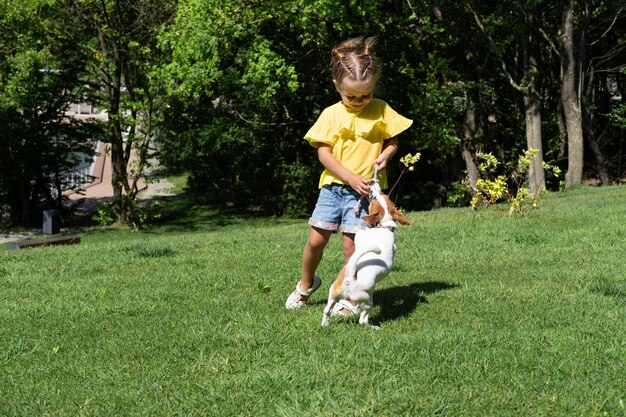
point(492, 189)
point(105, 214)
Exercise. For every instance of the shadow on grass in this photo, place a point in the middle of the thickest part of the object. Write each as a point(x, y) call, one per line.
point(184, 213)
point(398, 302)
point(614, 289)
point(179, 213)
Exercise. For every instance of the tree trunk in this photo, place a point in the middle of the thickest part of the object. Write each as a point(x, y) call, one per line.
point(469, 130)
point(111, 71)
point(571, 102)
point(587, 97)
point(119, 173)
point(532, 112)
point(562, 131)
point(536, 173)
point(590, 134)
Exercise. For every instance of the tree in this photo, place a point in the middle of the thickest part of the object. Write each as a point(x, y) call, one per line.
point(232, 120)
point(584, 26)
point(122, 54)
point(570, 96)
point(527, 55)
point(479, 110)
point(39, 76)
point(270, 80)
point(603, 44)
point(231, 87)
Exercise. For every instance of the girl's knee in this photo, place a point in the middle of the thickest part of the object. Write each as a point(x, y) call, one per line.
point(348, 245)
point(318, 240)
point(316, 245)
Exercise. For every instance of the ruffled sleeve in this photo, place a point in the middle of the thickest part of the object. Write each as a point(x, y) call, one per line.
point(323, 131)
point(394, 123)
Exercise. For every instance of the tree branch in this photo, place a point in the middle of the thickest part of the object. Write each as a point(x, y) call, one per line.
point(264, 124)
point(608, 29)
point(493, 44)
point(550, 42)
point(609, 55)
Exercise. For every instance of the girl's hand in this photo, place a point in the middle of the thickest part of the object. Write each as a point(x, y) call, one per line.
point(389, 149)
point(357, 182)
point(360, 184)
point(381, 162)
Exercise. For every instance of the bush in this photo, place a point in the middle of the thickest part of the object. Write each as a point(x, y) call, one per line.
point(139, 215)
point(105, 215)
point(236, 163)
point(491, 189)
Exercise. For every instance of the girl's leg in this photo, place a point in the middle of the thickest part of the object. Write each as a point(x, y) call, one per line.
point(312, 256)
point(348, 245)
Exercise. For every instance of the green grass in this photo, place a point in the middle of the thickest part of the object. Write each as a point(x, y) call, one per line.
point(483, 315)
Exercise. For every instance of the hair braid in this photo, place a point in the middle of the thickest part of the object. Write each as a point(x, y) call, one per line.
point(354, 58)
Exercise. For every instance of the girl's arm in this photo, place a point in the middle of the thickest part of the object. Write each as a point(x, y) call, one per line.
point(359, 183)
point(390, 147)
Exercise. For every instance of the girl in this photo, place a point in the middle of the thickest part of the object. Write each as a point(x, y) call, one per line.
point(353, 138)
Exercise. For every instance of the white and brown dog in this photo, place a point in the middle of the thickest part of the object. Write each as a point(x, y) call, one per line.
point(374, 250)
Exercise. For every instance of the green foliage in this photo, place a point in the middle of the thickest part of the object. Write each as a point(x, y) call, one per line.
point(254, 75)
point(458, 194)
point(408, 162)
point(105, 214)
point(144, 215)
point(139, 217)
point(296, 198)
point(617, 116)
point(266, 74)
point(40, 74)
point(489, 191)
point(434, 108)
point(523, 202)
point(492, 189)
point(260, 72)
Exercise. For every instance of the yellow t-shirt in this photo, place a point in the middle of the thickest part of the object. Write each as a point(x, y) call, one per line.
point(356, 137)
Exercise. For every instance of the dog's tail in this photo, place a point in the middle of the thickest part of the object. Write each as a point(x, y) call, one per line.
point(356, 256)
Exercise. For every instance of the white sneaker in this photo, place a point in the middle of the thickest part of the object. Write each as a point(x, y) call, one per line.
point(295, 300)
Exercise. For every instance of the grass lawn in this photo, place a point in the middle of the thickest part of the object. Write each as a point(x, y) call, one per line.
point(483, 315)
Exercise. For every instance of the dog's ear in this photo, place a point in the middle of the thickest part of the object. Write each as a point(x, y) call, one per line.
point(397, 216)
point(375, 214)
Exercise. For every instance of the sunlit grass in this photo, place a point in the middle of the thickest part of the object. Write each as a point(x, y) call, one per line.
point(483, 315)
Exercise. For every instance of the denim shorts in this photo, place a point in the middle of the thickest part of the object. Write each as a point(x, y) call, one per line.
point(335, 207)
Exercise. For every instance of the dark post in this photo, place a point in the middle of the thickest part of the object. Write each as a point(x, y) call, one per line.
point(51, 222)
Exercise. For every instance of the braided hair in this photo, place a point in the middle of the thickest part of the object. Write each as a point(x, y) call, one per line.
point(354, 58)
